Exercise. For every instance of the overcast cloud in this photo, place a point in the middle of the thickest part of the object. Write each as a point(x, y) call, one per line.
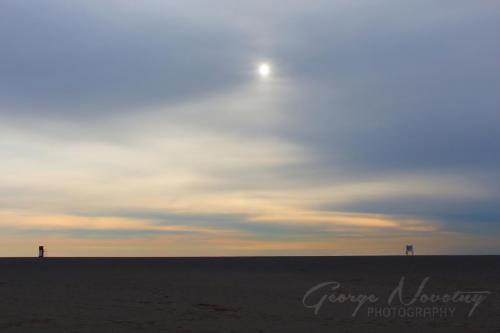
point(144, 124)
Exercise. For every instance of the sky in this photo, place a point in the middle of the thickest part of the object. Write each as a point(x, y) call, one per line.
point(143, 128)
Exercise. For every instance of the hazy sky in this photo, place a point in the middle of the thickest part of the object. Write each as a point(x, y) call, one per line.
point(143, 127)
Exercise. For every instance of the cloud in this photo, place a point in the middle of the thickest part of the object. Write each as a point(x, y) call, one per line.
point(126, 120)
point(93, 59)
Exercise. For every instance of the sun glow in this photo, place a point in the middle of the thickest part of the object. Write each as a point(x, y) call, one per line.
point(264, 70)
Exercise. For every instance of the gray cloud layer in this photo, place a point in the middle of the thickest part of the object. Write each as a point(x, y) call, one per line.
point(89, 58)
point(368, 90)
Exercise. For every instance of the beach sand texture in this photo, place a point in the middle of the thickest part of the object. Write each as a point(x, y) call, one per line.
point(256, 294)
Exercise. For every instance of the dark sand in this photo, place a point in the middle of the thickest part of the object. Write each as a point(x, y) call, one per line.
point(236, 294)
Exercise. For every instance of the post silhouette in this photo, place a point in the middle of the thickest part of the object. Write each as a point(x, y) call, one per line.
point(41, 252)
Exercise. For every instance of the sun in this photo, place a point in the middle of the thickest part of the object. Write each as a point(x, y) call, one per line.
point(264, 70)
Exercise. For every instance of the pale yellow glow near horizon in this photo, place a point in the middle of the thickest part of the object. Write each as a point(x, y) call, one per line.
point(176, 178)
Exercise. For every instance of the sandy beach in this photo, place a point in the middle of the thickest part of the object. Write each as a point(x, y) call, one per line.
point(257, 294)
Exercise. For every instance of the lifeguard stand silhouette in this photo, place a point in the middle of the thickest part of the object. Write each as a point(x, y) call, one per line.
point(409, 249)
point(41, 252)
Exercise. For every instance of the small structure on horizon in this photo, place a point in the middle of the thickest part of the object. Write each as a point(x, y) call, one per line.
point(41, 252)
point(409, 249)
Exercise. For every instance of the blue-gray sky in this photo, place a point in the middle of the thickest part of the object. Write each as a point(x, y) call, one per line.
point(144, 128)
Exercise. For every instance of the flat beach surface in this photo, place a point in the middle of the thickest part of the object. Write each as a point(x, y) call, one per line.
point(255, 294)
